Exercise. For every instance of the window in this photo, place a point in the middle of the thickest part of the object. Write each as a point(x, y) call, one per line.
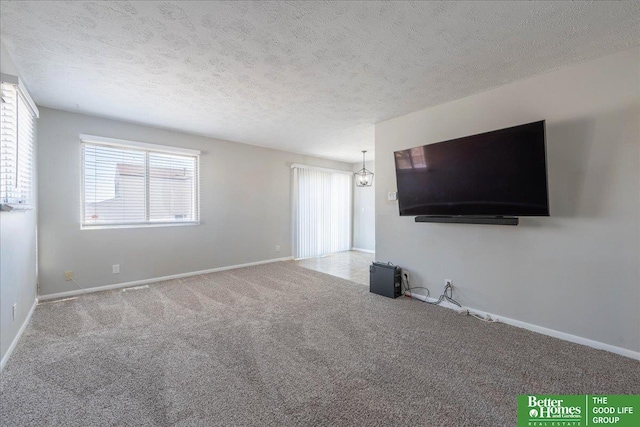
point(126, 183)
point(17, 136)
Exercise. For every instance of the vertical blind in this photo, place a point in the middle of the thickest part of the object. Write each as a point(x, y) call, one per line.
point(323, 212)
point(17, 137)
point(138, 186)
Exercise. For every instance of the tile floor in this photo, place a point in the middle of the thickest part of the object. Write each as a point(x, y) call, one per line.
point(350, 265)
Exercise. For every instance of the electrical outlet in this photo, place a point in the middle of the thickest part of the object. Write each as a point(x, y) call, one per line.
point(68, 276)
point(277, 248)
point(115, 269)
point(14, 311)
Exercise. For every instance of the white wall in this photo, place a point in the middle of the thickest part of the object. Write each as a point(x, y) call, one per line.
point(245, 198)
point(364, 210)
point(18, 274)
point(577, 271)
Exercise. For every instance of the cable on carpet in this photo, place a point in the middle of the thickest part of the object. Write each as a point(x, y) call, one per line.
point(447, 295)
point(409, 288)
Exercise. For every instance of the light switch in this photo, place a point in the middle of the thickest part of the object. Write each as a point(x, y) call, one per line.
point(393, 195)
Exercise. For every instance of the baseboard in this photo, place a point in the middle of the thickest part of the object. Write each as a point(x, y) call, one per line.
point(369, 251)
point(155, 279)
point(12, 347)
point(540, 329)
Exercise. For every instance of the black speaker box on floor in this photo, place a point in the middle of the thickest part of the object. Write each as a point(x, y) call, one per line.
point(385, 279)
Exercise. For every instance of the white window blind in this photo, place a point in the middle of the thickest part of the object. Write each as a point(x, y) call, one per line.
point(137, 185)
point(17, 138)
point(323, 212)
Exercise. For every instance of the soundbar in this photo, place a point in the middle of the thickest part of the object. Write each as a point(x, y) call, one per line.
point(495, 220)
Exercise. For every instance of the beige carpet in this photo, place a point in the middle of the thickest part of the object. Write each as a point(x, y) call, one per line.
point(281, 345)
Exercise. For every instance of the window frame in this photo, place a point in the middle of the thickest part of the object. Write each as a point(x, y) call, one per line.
point(24, 201)
point(147, 148)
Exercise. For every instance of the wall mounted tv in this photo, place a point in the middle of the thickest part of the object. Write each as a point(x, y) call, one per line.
point(492, 174)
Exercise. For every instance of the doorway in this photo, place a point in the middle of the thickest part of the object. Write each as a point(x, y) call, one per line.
point(322, 211)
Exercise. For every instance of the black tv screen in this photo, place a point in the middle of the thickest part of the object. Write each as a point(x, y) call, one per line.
point(499, 173)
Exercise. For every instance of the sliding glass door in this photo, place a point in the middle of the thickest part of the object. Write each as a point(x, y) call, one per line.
point(322, 211)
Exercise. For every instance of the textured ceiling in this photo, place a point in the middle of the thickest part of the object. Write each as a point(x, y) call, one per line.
point(310, 77)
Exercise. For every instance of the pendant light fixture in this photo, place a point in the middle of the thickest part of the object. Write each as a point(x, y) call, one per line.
point(364, 177)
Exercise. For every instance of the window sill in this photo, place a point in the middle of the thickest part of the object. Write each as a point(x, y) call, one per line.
point(115, 226)
point(15, 207)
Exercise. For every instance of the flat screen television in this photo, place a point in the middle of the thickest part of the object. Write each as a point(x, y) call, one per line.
point(498, 173)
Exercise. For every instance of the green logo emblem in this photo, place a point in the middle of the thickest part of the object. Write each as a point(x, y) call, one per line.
point(578, 410)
